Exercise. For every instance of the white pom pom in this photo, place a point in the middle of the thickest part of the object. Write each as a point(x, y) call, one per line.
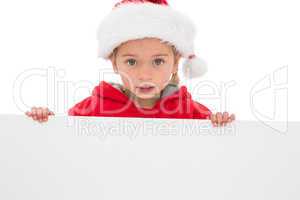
point(194, 67)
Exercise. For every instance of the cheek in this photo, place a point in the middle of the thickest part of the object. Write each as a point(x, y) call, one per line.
point(163, 77)
point(125, 73)
point(127, 79)
point(165, 72)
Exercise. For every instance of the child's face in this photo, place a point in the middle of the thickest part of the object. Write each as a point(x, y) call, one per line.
point(145, 63)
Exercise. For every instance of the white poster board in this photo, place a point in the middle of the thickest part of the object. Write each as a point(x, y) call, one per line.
point(135, 158)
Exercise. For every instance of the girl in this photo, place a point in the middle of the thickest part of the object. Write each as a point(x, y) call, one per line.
point(144, 40)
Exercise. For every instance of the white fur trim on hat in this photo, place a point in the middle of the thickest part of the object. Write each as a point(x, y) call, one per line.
point(132, 21)
point(139, 20)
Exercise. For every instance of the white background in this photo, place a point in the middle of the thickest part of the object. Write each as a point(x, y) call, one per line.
point(242, 41)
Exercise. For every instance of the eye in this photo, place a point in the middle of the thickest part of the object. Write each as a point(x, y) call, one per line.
point(131, 62)
point(159, 61)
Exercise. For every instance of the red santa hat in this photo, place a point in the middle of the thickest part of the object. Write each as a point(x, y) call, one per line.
point(137, 19)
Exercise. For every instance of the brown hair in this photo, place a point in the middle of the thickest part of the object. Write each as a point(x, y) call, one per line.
point(175, 78)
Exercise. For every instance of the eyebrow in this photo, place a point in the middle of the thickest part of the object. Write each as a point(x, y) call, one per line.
point(133, 55)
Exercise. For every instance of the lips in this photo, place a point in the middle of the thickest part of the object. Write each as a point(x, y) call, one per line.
point(145, 88)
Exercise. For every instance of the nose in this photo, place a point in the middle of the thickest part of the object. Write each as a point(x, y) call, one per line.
point(145, 73)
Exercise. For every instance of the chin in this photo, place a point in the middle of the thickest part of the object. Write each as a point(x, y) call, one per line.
point(146, 96)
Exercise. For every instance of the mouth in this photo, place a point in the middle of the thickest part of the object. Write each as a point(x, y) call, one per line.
point(145, 89)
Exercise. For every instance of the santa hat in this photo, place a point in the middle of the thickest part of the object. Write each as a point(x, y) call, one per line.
point(137, 19)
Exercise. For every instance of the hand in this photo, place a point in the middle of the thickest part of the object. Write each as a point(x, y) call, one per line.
point(220, 119)
point(39, 114)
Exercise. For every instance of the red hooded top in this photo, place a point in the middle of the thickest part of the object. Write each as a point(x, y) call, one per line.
point(108, 101)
